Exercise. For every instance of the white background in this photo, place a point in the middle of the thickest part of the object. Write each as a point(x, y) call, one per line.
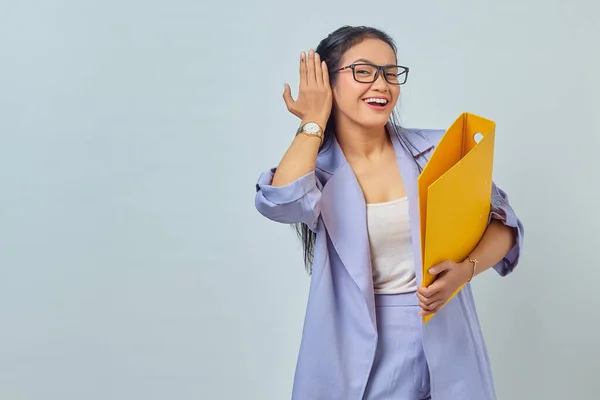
point(133, 264)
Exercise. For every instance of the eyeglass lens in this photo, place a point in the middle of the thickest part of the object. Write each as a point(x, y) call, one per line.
point(366, 73)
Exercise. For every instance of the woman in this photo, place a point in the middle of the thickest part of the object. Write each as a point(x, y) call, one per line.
point(349, 183)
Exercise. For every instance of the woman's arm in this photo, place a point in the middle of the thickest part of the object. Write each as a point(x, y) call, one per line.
point(500, 245)
point(499, 248)
point(291, 192)
point(313, 105)
point(494, 246)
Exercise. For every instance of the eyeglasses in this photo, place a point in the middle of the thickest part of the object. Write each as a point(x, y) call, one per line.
point(368, 73)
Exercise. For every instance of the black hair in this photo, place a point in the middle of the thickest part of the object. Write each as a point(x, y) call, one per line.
point(332, 50)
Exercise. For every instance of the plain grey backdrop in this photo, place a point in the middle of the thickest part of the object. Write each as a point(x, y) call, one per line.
point(133, 264)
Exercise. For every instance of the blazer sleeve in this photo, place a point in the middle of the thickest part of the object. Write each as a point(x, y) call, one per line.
point(502, 210)
point(296, 202)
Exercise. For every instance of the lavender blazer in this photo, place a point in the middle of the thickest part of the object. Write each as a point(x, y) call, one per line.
point(340, 335)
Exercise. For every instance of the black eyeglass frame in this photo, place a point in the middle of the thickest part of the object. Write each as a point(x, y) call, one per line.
point(378, 69)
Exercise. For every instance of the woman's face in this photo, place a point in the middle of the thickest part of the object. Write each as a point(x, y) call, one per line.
point(350, 96)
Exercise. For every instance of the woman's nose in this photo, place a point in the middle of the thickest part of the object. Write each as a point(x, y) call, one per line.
point(380, 82)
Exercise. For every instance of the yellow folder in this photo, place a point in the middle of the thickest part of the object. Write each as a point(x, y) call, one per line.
point(455, 190)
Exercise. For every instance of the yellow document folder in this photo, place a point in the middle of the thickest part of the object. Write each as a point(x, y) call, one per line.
point(455, 190)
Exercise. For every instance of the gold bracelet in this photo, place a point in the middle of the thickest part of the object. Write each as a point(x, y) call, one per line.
point(474, 261)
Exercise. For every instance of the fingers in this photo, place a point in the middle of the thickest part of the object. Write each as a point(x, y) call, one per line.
point(287, 97)
point(441, 267)
point(290, 103)
point(303, 71)
point(318, 70)
point(311, 75)
point(429, 302)
point(424, 313)
point(314, 95)
point(426, 301)
point(313, 70)
point(430, 291)
point(429, 305)
point(431, 309)
point(325, 71)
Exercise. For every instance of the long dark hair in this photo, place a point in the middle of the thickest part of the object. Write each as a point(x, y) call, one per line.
point(331, 50)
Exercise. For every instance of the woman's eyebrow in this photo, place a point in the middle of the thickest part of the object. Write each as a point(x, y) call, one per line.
point(368, 61)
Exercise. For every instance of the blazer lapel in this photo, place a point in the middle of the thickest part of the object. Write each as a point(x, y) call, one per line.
point(343, 210)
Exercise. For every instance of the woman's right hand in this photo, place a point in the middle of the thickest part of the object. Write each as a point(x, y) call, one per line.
point(314, 97)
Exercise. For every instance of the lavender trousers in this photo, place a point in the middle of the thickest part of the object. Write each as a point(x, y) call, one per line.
point(400, 370)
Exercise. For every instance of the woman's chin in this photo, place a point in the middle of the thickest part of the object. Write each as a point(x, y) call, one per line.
point(373, 122)
point(368, 121)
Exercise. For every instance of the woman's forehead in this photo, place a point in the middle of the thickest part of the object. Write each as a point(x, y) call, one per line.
point(373, 50)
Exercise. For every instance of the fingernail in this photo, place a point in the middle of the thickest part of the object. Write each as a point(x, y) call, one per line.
point(432, 271)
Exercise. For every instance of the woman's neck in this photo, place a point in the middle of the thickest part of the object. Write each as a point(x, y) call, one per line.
point(358, 142)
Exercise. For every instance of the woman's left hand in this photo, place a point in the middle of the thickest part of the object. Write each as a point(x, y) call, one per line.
point(450, 276)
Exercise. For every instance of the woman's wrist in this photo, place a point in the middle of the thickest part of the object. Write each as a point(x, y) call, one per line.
point(316, 121)
point(469, 266)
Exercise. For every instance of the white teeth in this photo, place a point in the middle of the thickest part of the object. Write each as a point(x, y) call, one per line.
point(374, 100)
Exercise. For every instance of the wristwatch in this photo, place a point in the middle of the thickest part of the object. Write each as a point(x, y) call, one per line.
point(311, 129)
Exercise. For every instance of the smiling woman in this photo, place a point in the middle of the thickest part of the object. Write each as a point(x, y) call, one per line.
point(348, 183)
point(365, 71)
point(359, 82)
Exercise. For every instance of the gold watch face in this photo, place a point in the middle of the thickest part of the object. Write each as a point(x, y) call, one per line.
point(311, 128)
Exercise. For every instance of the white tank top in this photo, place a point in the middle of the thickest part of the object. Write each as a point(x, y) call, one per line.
point(391, 247)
